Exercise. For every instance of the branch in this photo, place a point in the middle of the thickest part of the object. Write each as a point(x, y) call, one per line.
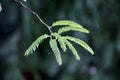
point(34, 13)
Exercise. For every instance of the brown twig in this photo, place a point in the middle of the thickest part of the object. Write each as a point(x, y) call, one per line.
point(34, 13)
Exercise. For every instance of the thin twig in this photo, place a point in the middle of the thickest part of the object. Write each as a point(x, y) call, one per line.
point(34, 13)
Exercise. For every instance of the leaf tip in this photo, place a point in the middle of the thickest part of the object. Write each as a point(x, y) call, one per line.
point(26, 54)
point(88, 31)
point(78, 58)
point(60, 63)
point(92, 52)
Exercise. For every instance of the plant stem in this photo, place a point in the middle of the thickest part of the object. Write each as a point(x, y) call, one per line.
point(34, 13)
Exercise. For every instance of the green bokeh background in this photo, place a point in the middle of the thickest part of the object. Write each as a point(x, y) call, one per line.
point(19, 28)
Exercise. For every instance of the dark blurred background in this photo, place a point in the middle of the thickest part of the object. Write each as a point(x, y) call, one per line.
point(19, 28)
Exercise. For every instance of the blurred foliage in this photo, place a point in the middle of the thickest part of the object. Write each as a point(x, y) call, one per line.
point(19, 28)
point(0, 7)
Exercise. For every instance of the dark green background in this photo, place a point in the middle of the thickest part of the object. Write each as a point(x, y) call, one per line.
point(19, 28)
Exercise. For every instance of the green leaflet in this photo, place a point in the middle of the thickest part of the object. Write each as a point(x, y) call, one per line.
point(68, 28)
point(55, 49)
point(0, 7)
point(80, 42)
point(35, 44)
point(71, 47)
point(66, 23)
point(61, 41)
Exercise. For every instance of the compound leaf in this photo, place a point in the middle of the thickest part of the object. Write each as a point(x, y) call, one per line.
point(70, 24)
point(56, 51)
point(71, 47)
point(80, 42)
point(68, 28)
point(65, 22)
point(36, 43)
point(61, 41)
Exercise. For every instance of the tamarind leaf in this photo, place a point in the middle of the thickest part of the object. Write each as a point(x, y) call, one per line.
point(71, 47)
point(35, 44)
point(69, 23)
point(61, 41)
point(56, 51)
point(68, 28)
point(80, 42)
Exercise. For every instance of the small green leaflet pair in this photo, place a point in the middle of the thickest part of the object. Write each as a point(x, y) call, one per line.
point(64, 41)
